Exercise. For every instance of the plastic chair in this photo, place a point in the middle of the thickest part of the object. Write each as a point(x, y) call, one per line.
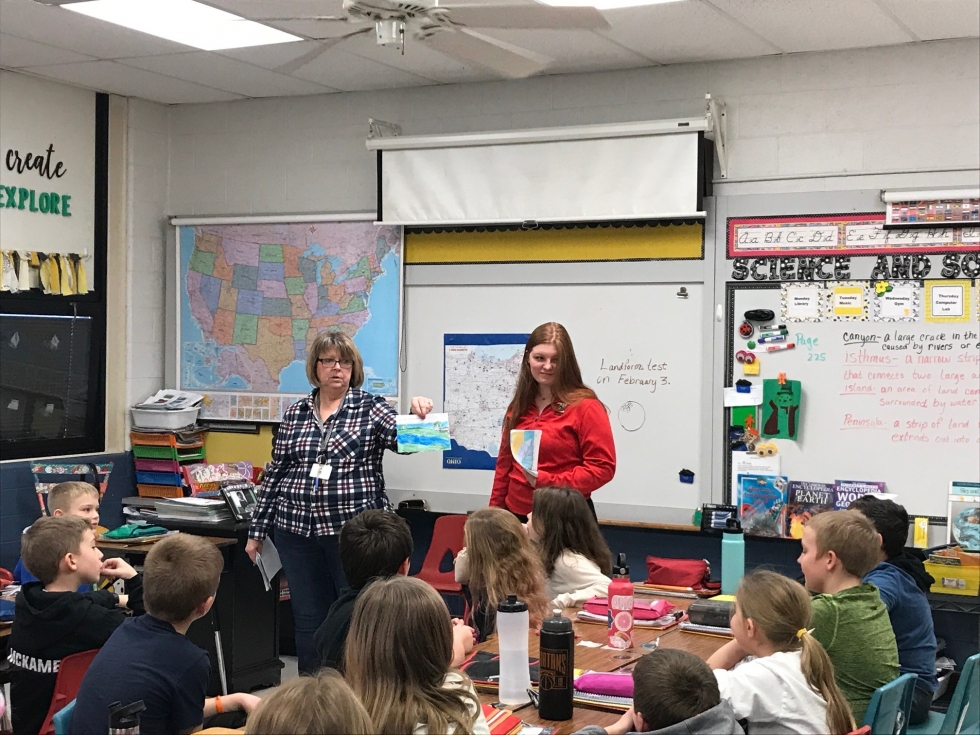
point(447, 537)
point(49, 474)
point(963, 714)
point(62, 718)
point(888, 713)
point(70, 674)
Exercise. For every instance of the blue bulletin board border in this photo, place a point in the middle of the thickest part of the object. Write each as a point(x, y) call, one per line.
point(461, 458)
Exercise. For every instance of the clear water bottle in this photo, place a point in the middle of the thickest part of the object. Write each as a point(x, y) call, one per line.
point(557, 661)
point(732, 556)
point(515, 670)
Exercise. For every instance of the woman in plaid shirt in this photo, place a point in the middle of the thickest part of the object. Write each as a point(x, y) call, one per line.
point(326, 468)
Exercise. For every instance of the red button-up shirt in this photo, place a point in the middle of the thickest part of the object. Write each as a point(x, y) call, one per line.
point(577, 451)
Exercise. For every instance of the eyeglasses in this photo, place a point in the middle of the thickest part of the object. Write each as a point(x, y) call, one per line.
point(328, 362)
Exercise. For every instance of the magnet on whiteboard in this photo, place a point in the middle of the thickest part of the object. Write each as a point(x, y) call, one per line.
point(719, 313)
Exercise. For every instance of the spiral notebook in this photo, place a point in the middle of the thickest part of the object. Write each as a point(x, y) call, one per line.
point(603, 701)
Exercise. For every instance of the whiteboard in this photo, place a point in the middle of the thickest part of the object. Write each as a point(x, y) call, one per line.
point(874, 405)
point(610, 326)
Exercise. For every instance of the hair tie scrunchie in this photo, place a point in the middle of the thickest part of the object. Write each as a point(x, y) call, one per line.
point(801, 632)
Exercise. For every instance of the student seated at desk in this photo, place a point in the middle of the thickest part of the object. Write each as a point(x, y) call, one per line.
point(577, 562)
point(788, 687)
point(399, 661)
point(311, 704)
point(150, 659)
point(674, 693)
point(902, 582)
point(849, 618)
point(498, 560)
point(67, 499)
point(373, 544)
point(52, 620)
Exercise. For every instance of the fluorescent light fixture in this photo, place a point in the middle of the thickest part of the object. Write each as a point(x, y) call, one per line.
point(604, 4)
point(184, 21)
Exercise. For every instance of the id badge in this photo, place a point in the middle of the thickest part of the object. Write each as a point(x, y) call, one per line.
point(315, 471)
point(324, 472)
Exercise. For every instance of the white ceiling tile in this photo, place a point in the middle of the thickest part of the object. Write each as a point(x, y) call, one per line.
point(230, 75)
point(674, 33)
point(418, 59)
point(108, 76)
point(341, 70)
point(19, 52)
point(56, 26)
point(278, 8)
point(270, 57)
point(934, 19)
point(816, 25)
point(571, 51)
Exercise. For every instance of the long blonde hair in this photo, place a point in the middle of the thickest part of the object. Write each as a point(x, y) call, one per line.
point(502, 562)
point(399, 651)
point(569, 387)
point(309, 705)
point(781, 608)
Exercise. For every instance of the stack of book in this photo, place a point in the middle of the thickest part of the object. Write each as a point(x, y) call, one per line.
point(202, 510)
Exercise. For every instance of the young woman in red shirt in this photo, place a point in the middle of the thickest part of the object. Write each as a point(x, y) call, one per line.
point(577, 449)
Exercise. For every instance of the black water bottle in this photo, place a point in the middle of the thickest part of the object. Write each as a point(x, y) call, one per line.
point(124, 719)
point(557, 661)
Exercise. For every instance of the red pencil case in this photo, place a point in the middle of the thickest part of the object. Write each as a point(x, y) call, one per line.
point(686, 573)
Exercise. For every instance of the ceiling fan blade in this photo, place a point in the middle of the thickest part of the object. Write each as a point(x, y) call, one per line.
point(341, 18)
point(526, 17)
point(313, 54)
point(498, 56)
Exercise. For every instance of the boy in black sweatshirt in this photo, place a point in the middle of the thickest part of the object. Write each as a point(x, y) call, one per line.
point(52, 620)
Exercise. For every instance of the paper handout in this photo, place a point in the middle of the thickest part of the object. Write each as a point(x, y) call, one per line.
point(268, 563)
point(430, 434)
point(525, 444)
point(171, 400)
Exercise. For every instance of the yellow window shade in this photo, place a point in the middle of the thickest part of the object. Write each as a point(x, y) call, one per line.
point(647, 242)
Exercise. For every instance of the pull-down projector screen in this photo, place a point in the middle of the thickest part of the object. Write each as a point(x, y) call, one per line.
point(594, 173)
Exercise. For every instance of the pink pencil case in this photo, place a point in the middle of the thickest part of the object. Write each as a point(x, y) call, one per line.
point(641, 610)
point(613, 684)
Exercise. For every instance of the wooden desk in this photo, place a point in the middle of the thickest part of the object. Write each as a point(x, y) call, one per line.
point(143, 547)
point(581, 716)
point(602, 659)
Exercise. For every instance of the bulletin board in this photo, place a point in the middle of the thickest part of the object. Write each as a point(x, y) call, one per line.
point(890, 379)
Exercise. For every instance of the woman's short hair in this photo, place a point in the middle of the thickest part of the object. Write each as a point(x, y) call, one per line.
point(346, 350)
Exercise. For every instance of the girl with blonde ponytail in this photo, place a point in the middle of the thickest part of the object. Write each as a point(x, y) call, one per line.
point(789, 687)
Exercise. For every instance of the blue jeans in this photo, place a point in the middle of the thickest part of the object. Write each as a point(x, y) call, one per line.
point(315, 575)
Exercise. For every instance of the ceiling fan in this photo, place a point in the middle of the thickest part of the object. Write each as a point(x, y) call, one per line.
point(448, 29)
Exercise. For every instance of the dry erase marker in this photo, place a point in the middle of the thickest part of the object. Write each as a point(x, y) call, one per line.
point(773, 338)
point(774, 332)
point(777, 348)
point(772, 327)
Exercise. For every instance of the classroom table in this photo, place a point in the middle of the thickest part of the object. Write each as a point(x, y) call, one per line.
point(603, 659)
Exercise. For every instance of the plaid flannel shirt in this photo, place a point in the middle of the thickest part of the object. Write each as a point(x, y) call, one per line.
point(357, 436)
